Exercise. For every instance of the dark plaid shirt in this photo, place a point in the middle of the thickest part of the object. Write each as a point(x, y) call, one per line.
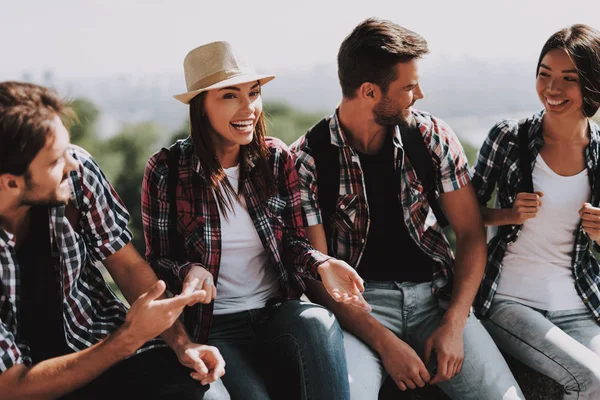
point(90, 309)
point(351, 218)
point(498, 168)
point(277, 219)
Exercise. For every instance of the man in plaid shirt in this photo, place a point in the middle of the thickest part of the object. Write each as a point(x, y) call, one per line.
point(421, 330)
point(63, 332)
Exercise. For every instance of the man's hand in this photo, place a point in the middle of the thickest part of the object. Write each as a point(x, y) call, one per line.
point(149, 316)
point(590, 221)
point(447, 341)
point(205, 282)
point(343, 283)
point(404, 365)
point(526, 206)
point(206, 361)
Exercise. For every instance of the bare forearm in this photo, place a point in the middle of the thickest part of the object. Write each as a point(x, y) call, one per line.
point(497, 216)
point(62, 375)
point(134, 277)
point(468, 271)
point(353, 319)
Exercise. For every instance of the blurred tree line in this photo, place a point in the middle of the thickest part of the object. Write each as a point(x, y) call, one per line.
point(123, 156)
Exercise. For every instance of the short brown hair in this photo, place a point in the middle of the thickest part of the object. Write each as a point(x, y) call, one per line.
point(26, 114)
point(372, 50)
point(582, 44)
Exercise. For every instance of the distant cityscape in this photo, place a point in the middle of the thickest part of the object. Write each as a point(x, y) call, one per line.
point(470, 95)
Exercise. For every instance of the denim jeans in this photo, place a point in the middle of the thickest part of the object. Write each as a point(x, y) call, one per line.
point(294, 351)
point(412, 313)
point(564, 345)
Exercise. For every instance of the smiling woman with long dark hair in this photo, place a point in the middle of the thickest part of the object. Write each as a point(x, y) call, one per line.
point(540, 295)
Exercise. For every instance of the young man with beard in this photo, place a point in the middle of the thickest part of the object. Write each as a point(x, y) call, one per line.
point(421, 329)
point(63, 332)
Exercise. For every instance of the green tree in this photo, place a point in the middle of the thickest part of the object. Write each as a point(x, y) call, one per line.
point(127, 155)
point(84, 128)
point(287, 123)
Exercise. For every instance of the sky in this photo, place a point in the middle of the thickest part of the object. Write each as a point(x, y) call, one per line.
point(90, 38)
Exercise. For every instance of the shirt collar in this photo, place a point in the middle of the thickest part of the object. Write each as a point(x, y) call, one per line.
point(7, 239)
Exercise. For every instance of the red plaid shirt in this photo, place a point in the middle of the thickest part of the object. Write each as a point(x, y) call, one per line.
point(278, 221)
point(351, 220)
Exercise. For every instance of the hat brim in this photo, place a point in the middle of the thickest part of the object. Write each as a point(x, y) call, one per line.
point(186, 97)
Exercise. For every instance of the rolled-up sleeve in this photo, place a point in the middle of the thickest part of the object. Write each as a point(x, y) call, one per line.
point(104, 218)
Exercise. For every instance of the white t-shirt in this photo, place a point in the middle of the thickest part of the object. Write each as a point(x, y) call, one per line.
point(537, 268)
point(245, 280)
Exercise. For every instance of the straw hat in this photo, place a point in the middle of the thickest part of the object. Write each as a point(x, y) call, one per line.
point(214, 66)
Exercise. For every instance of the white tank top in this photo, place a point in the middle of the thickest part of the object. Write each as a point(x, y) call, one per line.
point(537, 268)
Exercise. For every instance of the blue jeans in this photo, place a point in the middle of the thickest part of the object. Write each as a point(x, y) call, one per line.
point(564, 345)
point(294, 351)
point(412, 313)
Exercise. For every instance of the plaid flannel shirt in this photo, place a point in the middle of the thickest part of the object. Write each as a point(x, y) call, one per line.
point(277, 219)
point(90, 308)
point(498, 167)
point(350, 221)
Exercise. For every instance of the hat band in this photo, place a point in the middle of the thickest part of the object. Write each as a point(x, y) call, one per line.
point(214, 79)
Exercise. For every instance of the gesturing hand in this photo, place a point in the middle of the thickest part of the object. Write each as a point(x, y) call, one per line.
point(149, 316)
point(343, 283)
point(206, 361)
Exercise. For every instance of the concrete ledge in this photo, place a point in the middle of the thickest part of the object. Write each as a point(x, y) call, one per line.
point(535, 386)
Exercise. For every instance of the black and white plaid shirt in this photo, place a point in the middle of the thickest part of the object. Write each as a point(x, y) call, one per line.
point(90, 308)
point(498, 167)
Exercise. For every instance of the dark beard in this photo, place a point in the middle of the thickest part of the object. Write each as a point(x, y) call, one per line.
point(47, 202)
point(386, 114)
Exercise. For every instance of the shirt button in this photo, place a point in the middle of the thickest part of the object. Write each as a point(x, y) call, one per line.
point(343, 207)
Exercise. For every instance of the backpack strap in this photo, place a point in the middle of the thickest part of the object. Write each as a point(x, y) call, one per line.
point(327, 163)
point(422, 161)
point(525, 158)
point(172, 178)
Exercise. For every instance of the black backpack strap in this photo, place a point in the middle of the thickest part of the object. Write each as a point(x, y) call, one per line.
point(421, 159)
point(172, 178)
point(525, 158)
point(326, 158)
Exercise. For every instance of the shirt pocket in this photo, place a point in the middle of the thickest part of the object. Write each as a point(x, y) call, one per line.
point(275, 207)
point(346, 209)
point(192, 232)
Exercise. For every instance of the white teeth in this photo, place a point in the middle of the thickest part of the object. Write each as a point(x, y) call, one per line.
point(242, 123)
point(555, 102)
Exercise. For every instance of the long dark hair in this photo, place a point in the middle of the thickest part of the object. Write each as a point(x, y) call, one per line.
point(582, 44)
point(255, 153)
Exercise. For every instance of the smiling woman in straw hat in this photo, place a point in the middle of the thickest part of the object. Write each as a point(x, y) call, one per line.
point(223, 206)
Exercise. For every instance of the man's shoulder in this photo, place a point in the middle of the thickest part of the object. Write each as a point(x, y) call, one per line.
point(432, 123)
point(317, 132)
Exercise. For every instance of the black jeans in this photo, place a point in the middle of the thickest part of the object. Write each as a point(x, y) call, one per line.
point(152, 375)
